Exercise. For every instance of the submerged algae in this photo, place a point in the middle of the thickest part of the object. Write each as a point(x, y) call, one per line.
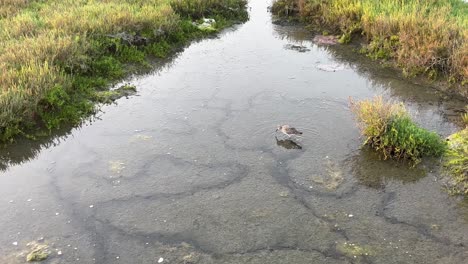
point(38, 253)
point(353, 250)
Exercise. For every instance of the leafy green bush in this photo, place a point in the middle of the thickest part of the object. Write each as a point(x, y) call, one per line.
point(389, 130)
point(405, 139)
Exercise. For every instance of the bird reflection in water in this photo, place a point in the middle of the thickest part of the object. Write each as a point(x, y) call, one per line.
point(287, 144)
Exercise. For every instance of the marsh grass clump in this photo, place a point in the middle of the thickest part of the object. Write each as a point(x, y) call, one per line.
point(456, 160)
point(421, 37)
point(465, 118)
point(57, 56)
point(388, 128)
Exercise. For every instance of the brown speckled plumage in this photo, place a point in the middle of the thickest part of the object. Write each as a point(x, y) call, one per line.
point(289, 131)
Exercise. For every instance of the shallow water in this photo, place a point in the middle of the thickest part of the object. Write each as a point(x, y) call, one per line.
point(191, 170)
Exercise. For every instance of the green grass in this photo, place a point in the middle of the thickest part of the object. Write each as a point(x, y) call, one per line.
point(422, 36)
point(56, 55)
point(456, 160)
point(388, 128)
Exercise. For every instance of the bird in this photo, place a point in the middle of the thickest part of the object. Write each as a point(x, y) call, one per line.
point(288, 131)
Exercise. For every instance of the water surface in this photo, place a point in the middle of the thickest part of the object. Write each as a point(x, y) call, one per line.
point(191, 170)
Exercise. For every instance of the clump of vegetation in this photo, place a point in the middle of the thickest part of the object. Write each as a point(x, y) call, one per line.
point(456, 160)
point(56, 56)
point(110, 96)
point(38, 253)
point(422, 37)
point(197, 9)
point(389, 130)
point(465, 117)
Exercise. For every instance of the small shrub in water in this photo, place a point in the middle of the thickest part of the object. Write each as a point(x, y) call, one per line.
point(456, 160)
point(196, 9)
point(389, 130)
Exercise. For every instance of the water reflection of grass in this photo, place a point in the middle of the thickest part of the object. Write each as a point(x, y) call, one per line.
point(25, 150)
point(369, 168)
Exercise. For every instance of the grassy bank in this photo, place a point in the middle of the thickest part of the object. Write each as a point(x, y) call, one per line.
point(456, 160)
point(57, 57)
point(388, 128)
point(421, 36)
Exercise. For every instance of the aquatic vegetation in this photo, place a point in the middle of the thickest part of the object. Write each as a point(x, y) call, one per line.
point(353, 249)
point(116, 166)
point(422, 37)
point(56, 57)
point(389, 129)
point(38, 253)
point(333, 177)
point(112, 95)
point(456, 162)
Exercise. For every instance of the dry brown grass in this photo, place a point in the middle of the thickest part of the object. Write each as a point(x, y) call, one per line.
point(9, 8)
point(373, 115)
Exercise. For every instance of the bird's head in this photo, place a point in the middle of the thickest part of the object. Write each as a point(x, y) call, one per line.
point(279, 128)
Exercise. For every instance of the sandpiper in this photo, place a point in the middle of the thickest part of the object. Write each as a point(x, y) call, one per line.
point(288, 131)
